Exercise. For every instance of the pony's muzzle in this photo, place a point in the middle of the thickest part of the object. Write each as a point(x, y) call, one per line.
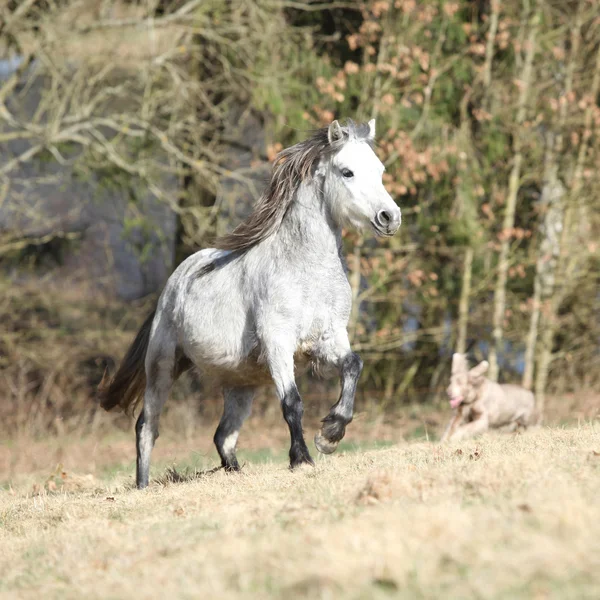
point(387, 221)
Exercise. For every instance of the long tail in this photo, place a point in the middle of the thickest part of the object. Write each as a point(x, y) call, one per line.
point(126, 387)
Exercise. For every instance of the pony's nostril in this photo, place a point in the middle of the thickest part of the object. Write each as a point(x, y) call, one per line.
point(384, 217)
point(387, 221)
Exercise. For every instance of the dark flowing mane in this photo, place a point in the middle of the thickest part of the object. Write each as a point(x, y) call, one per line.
point(291, 167)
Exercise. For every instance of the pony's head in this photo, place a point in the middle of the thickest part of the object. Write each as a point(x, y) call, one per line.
point(341, 160)
point(352, 180)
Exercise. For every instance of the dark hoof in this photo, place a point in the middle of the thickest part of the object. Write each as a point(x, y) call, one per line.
point(332, 431)
point(231, 467)
point(300, 458)
point(323, 445)
point(296, 464)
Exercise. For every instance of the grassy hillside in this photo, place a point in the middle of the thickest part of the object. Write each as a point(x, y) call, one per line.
point(501, 517)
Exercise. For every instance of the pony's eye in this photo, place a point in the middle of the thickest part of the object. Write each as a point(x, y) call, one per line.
point(347, 173)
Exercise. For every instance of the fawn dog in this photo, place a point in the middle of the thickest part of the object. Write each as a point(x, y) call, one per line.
point(481, 404)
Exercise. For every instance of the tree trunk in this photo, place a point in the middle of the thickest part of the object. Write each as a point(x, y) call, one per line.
point(355, 287)
point(552, 202)
point(465, 208)
point(489, 46)
point(511, 202)
point(532, 334)
point(549, 251)
point(463, 306)
point(571, 253)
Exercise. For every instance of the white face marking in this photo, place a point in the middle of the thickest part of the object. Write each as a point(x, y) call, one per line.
point(353, 184)
point(230, 442)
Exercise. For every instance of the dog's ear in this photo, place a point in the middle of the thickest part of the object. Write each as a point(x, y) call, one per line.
point(476, 374)
point(459, 363)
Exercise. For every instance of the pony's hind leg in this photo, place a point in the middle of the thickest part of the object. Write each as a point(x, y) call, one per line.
point(160, 363)
point(238, 403)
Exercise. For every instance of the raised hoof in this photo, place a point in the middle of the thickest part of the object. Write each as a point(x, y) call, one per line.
point(323, 445)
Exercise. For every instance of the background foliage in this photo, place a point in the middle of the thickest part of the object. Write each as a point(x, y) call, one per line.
point(487, 118)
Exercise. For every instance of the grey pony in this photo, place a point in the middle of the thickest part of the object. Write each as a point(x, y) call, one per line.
point(271, 295)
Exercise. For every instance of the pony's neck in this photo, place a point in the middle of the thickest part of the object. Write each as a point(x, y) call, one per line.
point(308, 224)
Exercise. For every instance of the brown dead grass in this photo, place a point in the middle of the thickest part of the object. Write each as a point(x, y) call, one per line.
point(506, 516)
point(26, 460)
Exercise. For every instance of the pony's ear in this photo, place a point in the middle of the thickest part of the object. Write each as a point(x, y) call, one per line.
point(335, 133)
point(371, 129)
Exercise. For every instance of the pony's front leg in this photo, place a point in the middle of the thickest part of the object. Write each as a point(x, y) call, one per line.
point(334, 424)
point(281, 365)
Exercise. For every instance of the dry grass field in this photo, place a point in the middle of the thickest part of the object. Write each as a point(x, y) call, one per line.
point(505, 516)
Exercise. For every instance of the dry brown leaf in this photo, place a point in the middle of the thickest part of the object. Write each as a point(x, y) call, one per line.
point(476, 454)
